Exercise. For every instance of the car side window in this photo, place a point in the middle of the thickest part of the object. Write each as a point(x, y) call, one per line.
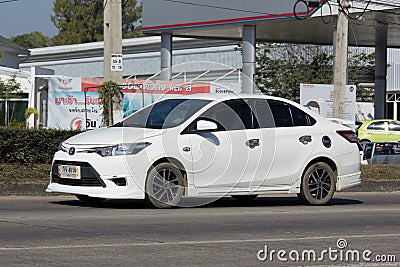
point(286, 115)
point(379, 125)
point(230, 115)
point(300, 118)
point(263, 117)
point(281, 114)
point(394, 126)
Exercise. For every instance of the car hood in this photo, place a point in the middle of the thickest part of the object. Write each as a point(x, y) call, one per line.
point(113, 136)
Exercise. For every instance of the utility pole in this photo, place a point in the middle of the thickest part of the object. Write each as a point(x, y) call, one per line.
point(113, 49)
point(340, 73)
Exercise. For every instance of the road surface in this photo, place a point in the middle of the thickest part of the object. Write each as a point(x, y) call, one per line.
point(61, 231)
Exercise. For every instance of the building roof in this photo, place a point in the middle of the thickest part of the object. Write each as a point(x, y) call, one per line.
point(9, 46)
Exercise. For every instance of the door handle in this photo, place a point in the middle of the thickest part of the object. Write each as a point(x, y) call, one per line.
point(305, 139)
point(252, 143)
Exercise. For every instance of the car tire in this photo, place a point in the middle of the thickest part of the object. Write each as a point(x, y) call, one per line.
point(244, 197)
point(164, 186)
point(318, 184)
point(90, 200)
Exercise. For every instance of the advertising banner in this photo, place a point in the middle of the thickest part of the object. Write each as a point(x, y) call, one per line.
point(70, 108)
point(319, 98)
point(74, 104)
point(141, 93)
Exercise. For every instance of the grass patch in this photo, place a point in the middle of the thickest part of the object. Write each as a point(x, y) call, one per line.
point(24, 173)
point(39, 173)
point(380, 172)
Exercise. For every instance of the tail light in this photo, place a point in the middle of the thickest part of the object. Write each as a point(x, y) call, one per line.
point(349, 136)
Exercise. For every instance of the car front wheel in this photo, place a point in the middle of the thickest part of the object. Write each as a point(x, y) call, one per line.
point(318, 184)
point(164, 186)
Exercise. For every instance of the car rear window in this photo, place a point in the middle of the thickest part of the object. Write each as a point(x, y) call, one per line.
point(394, 126)
point(286, 115)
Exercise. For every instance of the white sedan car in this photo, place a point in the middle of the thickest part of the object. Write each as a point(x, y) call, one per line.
point(210, 145)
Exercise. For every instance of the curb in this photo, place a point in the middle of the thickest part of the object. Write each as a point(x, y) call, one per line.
point(38, 189)
point(376, 186)
point(26, 189)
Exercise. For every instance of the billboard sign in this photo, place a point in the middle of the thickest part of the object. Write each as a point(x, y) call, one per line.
point(319, 98)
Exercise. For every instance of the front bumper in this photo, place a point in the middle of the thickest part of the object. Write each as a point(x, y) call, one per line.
point(99, 176)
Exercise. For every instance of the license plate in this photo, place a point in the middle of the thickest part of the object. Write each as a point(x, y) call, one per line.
point(69, 172)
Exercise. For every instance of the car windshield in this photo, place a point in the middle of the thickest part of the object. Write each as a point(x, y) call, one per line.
point(358, 124)
point(165, 114)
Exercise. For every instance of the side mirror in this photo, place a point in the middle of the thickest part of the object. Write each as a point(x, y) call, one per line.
point(204, 125)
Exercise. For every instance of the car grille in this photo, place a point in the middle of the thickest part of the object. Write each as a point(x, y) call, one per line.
point(89, 176)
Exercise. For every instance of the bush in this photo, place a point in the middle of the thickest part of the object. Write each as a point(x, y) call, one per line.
point(30, 146)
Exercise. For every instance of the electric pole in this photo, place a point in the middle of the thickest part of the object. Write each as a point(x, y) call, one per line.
point(113, 49)
point(340, 73)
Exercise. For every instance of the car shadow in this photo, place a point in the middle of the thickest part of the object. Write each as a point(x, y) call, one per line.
point(223, 202)
point(107, 204)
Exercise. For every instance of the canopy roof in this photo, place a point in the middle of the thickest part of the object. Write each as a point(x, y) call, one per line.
point(275, 20)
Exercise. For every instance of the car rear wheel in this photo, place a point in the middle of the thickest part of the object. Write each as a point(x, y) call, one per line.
point(244, 197)
point(318, 184)
point(90, 200)
point(164, 186)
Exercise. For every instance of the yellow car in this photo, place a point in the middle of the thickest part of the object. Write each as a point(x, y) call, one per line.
point(379, 131)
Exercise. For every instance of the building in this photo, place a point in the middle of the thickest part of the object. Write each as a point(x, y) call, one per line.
point(212, 61)
point(193, 59)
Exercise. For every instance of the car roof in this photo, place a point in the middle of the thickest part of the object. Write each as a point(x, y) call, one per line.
point(228, 96)
point(369, 121)
point(224, 96)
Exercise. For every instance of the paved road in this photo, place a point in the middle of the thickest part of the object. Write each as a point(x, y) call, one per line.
point(61, 231)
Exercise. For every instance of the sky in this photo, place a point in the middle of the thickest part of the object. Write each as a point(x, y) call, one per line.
point(25, 16)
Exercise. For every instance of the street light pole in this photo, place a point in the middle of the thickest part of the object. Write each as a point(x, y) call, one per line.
point(340, 73)
point(113, 49)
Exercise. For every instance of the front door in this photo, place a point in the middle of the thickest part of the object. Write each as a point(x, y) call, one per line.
point(226, 160)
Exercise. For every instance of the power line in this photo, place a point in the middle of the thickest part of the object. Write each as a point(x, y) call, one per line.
point(347, 13)
point(217, 7)
point(370, 10)
point(373, 10)
point(7, 1)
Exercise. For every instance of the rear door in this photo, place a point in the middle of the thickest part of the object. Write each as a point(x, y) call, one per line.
point(294, 139)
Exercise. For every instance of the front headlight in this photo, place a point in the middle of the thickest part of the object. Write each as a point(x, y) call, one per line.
point(122, 149)
point(62, 147)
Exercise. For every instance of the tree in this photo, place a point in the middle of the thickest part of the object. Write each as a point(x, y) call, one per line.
point(32, 40)
point(8, 89)
point(282, 67)
point(361, 69)
point(81, 21)
point(110, 94)
point(29, 112)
